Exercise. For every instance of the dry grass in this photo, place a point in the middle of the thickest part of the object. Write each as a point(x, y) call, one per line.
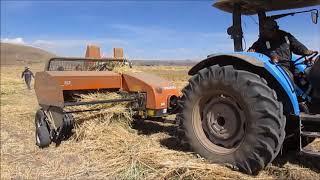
point(108, 146)
point(123, 69)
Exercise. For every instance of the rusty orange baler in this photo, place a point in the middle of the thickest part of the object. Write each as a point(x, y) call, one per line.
point(151, 96)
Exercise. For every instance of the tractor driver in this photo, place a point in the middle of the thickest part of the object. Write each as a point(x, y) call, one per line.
point(278, 44)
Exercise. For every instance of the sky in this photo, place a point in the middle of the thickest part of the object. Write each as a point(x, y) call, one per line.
point(145, 29)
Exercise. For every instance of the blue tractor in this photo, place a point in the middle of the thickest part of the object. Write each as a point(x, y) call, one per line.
point(241, 108)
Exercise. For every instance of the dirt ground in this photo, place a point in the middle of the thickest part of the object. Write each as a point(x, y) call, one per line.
point(141, 150)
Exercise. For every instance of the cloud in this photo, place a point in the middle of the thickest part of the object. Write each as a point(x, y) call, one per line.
point(17, 40)
point(44, 44)
point(142, 30)
point(76, 47)
point(16, 5)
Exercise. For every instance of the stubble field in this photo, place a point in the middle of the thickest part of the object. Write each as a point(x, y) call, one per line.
point(117, 149)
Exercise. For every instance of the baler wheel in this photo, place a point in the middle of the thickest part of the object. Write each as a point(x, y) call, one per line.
point(42, 135)
point(68, 124)
point(65, 130)
point(39, 118)
point(232, 117)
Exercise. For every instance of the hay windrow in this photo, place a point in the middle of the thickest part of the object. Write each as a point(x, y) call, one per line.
point(117, 152)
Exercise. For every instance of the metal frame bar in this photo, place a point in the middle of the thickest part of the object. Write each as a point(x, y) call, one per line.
point(238, 34)
point(100, 102)
point(262, 16)
point(63, 59)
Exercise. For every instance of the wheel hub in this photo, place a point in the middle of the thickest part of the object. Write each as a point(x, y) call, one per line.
point(223, 122)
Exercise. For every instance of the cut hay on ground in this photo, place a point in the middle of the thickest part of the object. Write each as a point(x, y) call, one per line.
point(130, 155)
point(111, 148)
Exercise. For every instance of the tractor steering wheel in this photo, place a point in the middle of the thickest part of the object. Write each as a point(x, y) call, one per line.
point(307, 60)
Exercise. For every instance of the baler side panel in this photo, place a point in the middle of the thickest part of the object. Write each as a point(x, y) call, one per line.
point(48, 90)
point(86, 80)
point(49, 85)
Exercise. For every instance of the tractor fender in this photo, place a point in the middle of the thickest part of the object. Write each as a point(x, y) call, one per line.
point(257, 63)
point(217, 58)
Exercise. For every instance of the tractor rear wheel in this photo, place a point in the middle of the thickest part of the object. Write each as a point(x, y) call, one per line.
point(232, 117)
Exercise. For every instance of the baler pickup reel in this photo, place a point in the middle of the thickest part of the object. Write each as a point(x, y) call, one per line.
point(60, 121)
point(56, 89)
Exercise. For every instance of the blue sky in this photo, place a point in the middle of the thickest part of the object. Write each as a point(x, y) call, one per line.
point(145, 29)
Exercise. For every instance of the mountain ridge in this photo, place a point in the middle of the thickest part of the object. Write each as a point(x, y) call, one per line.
point(17, 54)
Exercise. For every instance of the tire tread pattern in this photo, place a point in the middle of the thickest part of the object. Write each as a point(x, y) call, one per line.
point(264, 105)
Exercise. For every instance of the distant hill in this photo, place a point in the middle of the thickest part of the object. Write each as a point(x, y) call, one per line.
point(164, 62)
point(14, 54)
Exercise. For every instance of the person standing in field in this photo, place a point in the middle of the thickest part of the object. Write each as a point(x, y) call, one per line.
point(27, 75)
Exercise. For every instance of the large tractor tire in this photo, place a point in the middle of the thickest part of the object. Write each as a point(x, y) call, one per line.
point(232, 117)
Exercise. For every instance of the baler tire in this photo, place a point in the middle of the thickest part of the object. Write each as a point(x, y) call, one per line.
point(264, 119)
point(69, 125)
point(42, 137)
point(39, 117)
